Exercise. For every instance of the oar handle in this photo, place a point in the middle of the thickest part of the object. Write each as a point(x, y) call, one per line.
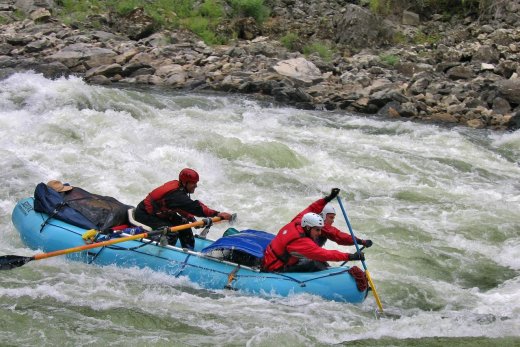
point(121, 239)
point(369, 278)
point(350, 230)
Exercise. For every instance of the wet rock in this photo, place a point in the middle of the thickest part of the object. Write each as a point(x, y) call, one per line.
point(514, 122)
point(105, 70)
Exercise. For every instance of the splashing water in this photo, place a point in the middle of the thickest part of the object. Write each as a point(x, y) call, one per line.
point(441, 205)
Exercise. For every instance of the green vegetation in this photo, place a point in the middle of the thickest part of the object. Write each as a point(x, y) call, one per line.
point(380, 6)
point(323, 50)
point(250, 8)
point(201, 17)
point(204, 16)
point(289, 41)
point(421, 38)
point(389, 59)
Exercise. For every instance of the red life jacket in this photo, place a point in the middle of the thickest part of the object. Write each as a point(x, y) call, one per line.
point(154, 202)
point(276, 255)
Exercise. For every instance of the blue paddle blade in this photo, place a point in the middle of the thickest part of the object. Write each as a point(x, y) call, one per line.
point(8, 262)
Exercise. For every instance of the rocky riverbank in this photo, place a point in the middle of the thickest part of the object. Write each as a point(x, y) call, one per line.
point(468, 76)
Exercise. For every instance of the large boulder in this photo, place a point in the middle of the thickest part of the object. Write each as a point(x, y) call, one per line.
point(136, 24)
point(359, 28)
point(510, 90)
point(28, 6)
point(78, 53)
point(300, 70)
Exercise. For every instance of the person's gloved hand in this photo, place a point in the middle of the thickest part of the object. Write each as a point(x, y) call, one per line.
point(367, 243)
point(356, 256)
point(225, 215)
point(333, 193)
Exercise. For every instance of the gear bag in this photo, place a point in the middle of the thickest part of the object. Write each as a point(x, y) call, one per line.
point(81, 208)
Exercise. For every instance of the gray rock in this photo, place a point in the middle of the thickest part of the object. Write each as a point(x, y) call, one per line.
point(99, 79)
point(75, 54)
point(486, 54)
point(105, 70)
point(40, 15)
point(460, 72)
point(300, 70)
point(27, 6)
point(359, 28)
point(411, 18)
point(501, 106)
point(509, 90)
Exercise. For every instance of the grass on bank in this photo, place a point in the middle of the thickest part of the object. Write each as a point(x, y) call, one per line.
point(202, 18)
point(206, 17)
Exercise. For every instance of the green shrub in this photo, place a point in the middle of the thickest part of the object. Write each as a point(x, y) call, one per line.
point(202, 27)
point(250, 8)
point(399, 38)
point(389, 59)
point(383, 7)
point(323, 50)
point(211, 9)
point(421, 38)
point(289, 41)
point(125, 7)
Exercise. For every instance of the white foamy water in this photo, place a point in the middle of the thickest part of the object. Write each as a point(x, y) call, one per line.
point(441, 205)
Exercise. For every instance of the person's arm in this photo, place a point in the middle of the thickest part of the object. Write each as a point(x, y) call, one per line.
point(179, 200)
point(341, 238)
point(307, 248)
point(317, 206)
point(334, 234)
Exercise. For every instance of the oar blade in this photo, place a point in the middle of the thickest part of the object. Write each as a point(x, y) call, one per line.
point(374, 291)
point(233, 219)
point(8, 262)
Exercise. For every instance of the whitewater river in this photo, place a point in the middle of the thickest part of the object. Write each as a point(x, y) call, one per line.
point(441, 205)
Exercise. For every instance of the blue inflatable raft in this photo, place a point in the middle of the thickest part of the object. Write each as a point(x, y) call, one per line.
point(205, 265)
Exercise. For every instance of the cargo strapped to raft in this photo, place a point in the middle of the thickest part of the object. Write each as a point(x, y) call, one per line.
point(245, 247)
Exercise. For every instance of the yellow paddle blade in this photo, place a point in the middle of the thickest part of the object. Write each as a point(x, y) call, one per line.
point(374, 290)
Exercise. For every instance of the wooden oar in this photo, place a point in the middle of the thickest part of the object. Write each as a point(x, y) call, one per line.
point(370, 282)
point(8, 262)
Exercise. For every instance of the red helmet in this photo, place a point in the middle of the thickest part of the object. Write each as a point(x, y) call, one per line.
point(188, 176)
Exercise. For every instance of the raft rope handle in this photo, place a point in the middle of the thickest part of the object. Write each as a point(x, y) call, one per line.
point(57, 209)
point(232, 278)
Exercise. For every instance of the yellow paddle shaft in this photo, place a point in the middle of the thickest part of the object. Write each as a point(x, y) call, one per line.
point(119, 240)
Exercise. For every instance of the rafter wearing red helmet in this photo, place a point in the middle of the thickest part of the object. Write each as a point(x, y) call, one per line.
point(171, 205)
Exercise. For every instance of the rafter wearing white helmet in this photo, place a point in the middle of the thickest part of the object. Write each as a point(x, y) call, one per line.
point(312, 220)
point(326, 210)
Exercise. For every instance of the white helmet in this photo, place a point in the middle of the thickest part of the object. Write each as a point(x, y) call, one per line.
point(312, 220)
point(326, 210)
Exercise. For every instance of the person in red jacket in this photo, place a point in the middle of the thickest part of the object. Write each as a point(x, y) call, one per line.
point(171, 205)
point(296, 246)
point(329, 232)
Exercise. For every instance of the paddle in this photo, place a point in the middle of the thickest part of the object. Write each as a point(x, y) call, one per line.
point(358, 250)
point(8, 262)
